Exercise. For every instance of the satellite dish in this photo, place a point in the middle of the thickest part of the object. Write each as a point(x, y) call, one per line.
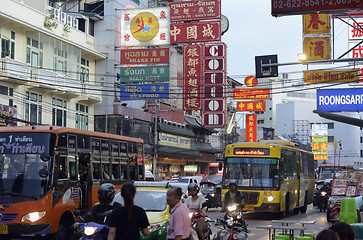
point(224, 24)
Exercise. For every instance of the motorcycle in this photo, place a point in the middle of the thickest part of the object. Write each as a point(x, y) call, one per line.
point(195, 217)
point(323, 200)
point(234, 226)
point(92, 230)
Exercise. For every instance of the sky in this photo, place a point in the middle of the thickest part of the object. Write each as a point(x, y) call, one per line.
point(253, 31)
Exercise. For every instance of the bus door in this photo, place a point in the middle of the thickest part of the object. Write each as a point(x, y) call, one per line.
point(84, 177)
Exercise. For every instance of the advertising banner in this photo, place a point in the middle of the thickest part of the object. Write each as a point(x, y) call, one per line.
point(10, 114)
point(338, 100)
point(246, 106)
point(192, 32)
point(193, 62)
point(251, 93)
point(317, 48)
point(144, 74)
point(146, 91)
point(319, 130)
point(251, 127)
point(145, 27)
point(327, 76)
point(145, 56)
point(357, 51)
point(195, 10)
point(354, 27)
point(316, 23)
point(174, 141)
point(296, 7)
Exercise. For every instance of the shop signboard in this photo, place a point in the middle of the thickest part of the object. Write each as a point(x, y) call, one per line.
point(355, 29)
point(192, 57)
point(145, 27)
point(251, 106)
point(297, 7)
point(251, 93)
point(319, 130)
point(145, 91)
point(340, 99)
point(144, 74)
point(174, 141)
point(206, 31)
point(316, 24)
point(317, 48)
point(145, 56)
point(330, 76)
point(251, 127)
point(195, 10)
point(10, 115)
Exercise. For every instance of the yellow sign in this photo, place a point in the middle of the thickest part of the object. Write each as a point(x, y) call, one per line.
point(316, 23)
point(174, 141)
point(312, 77)
point(317, 48)
point(144, 26)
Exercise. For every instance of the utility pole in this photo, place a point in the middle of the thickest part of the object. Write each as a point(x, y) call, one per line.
point(156, 137)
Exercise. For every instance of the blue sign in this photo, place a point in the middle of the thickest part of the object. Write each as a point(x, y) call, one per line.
point(338, 100)
point(144, 91)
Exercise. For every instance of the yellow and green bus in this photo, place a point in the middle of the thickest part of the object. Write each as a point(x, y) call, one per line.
point(272, 175)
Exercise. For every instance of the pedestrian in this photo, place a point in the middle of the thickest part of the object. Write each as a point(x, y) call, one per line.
point(327, 234)
point(126, 221)
point(345, 231)
point(179, 222)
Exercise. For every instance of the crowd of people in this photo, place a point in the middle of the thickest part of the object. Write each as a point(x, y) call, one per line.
point(338, 231)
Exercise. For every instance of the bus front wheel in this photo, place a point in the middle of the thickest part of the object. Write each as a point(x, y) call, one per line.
point(287, 205)
point(304, 208)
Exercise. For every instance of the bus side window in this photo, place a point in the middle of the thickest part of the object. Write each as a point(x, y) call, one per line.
point(62, 170)
point(72, 170)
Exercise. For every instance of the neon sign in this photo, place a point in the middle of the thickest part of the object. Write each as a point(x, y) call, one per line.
point(252, 151)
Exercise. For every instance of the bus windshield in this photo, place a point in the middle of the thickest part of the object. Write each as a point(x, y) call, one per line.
point(252, 172)
point(327, 172)
point(20, 164)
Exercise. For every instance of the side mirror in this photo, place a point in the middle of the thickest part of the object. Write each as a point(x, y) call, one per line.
point(43, 173)
point(76, 212)
point(220, 166)
point(45, 157)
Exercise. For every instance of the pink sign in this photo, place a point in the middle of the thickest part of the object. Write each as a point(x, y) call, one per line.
point(195, 10)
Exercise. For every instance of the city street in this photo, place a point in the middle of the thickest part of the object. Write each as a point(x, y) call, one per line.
point(258, 219)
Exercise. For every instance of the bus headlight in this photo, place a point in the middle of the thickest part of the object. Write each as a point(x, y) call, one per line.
point(269, 198)
point(34, 216)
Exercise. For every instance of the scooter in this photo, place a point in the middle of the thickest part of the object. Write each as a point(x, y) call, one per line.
point(233, 224)
point(194, 217)
point(323, 200)
point(92, 230)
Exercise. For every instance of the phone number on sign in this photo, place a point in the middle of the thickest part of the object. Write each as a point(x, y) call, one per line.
point(310, 3)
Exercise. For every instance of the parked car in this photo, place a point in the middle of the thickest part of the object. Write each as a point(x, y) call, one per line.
point(211, 188)
point(187, 179)
point(149, 176)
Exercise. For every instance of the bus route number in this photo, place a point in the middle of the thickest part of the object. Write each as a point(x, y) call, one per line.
point(267, 193)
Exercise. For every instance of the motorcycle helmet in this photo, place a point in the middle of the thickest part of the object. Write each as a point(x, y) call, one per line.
point(193, 186)
point(232, 182)
point(106, 193)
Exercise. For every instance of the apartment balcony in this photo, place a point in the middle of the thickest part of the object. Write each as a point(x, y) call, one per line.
point(56, 84)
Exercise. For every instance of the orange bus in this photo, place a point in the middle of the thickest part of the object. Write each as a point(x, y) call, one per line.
point(48, 172)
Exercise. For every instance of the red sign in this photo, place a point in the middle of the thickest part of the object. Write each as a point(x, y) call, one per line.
point(251, 81)
point(214, 105)
point(213, 120)
point(251, 93)
point(195, 10)
point(216, 64)
point(291, 7)
point(145, 56)
point(193, 62)
point(214, 78)
point(207, 31)
point(251, 128)
point(257, 106)
point(215, 50)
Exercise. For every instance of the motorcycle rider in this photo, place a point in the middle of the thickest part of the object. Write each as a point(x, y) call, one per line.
point(232, 196)
point(324, 198)
point(194, 202)
point(106, 193)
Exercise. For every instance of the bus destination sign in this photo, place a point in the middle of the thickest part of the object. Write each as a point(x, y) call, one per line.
point(293, 7)
point(252, 151)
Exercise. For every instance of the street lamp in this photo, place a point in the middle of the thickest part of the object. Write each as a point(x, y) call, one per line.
point(301, 57)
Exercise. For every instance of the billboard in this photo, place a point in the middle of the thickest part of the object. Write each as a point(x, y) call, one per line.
point(251, 127)
point(296, 7)
point(195, 10)
point(145, 27)
point(144, 74)
point(338, 100)
point(326, 76)
point(192, 32)
point(144, 56)
point(251, 106)
point(317, 48)
point(316, 23)
point(146, 91)
point(251, 93)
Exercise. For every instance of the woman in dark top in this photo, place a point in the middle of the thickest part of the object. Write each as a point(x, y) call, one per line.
point(126, 222)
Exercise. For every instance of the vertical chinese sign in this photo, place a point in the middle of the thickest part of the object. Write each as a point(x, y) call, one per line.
point(251, 127)
point(319, 133)
point(193, 62)
point(145, 27)
point(355, 35)
point(317, 46)
point(214, 82)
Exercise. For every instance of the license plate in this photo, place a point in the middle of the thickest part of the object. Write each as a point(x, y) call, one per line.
point(248, 208)
point(3, 229)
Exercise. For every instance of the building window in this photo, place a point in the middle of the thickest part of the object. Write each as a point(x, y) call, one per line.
point(260, 121)
point(330, 138)
point(59, 114)
point(34, 54)
point(60, 61)
point(361, 153)
point(361, 139)
point(33, 109)
point(330, 125)
point(82, 116)
point(83, 71)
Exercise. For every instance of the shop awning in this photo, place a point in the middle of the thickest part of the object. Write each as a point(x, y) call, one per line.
point(208, 148)
point(193, 122)
point(176, 130)
point(178, 151)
